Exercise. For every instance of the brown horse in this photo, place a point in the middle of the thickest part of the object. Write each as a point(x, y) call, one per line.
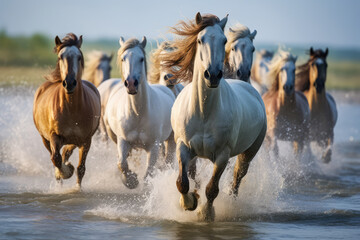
point(67, 109)
point(287, 110)
point(310, 79)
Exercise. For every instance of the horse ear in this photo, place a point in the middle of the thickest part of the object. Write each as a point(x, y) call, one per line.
point(57, 41)
point(253, 34)
point(143, 42)
point(230, 30)
point(311, 51)
point(121, 41)
point(223, 21)
point(79, 41)
point(198, 18)
point(326, 52)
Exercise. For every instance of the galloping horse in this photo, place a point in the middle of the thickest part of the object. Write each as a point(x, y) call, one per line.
point(287, 110)
point(67, 109)
point(260, 70)
point(158, 75)
point(98, 67)
point(239, 51)
point(310, 79)
point(212, 118)
point(137, 115)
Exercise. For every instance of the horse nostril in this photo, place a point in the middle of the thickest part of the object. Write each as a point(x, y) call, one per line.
point(136, 83)
point(249, 73)
point(166, 77)
point(238, 73)
point(220, 74)
point(207, 74)
point(126, 83)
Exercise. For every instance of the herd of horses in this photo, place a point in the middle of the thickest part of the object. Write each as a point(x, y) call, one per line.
point(203, 99)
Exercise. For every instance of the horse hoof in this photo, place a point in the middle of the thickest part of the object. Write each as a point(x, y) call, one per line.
point(130, 180)
point(189, 201)
point(66, 171)
point(206, 213)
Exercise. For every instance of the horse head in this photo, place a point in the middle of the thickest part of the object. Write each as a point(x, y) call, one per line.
point(318, 68)
point(239, 50)
point(211, 50)
point(70, 61)
point(132, 63)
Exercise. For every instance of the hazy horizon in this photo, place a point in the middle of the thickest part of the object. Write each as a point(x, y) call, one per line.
point(318, 23)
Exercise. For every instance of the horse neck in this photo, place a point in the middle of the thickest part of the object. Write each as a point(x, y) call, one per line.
point(314, 98)
point(139, 103)
point(203, 99)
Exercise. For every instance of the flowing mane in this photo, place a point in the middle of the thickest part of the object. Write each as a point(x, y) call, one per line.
point(275, 67)
point(69, 40)
point(94, 60)
point(155, 61)
point(302, 82)
point(184, 52)
point(131, 43)
point(234, 33)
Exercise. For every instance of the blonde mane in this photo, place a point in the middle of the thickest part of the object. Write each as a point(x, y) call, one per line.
point(275, 67)
point(155, 70)
point(94, 60)
point(130, 43)
point(183, 55)
point(234, 33)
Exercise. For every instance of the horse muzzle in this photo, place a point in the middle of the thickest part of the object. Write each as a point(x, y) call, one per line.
point(213, 78)
point(131, 86)
point(69, 85)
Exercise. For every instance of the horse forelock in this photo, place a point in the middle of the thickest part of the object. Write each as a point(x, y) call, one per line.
point(130, 43)
point(275, 67)
point(180, 61)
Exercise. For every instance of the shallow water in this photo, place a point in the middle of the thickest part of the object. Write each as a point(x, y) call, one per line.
point(278, 199)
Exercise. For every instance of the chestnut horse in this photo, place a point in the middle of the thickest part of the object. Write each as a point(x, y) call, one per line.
point(287, 110)
point(310, 79)
point(67, 109)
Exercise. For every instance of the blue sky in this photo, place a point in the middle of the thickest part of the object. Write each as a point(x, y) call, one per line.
point(317, 22)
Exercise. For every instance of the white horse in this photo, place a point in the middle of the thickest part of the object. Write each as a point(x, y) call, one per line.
point(260, 69)
point(98, 67)
point(212, 118)
point(239, 51)
point(159, 75)
point(137, 115)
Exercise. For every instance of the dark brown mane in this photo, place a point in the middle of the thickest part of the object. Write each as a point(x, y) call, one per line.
point(183, 56)
point(302, 77)
point(69, 40)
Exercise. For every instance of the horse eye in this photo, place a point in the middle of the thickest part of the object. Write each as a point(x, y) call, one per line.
point(233, 49)
point(141, 59)
point(225, 41)
point(253, 49)
point(199, 42)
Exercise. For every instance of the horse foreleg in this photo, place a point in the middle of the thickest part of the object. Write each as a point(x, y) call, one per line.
point(46, 144)
point(152, 156)
point(66, 153)
point(127, 176)
point(243, 161)
point(61, 171)
point(170, 148)
point(207, 212)
point(326, 146)
point(188, 201)
point(192, 172)
point(83, 151)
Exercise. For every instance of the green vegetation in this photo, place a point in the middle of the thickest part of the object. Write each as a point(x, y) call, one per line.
point(25, 60)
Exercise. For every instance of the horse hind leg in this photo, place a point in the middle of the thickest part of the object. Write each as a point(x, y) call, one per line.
point(170, 148)
point(207, 212)
point(243, 162)
point(326, 146)
point(188, 201)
